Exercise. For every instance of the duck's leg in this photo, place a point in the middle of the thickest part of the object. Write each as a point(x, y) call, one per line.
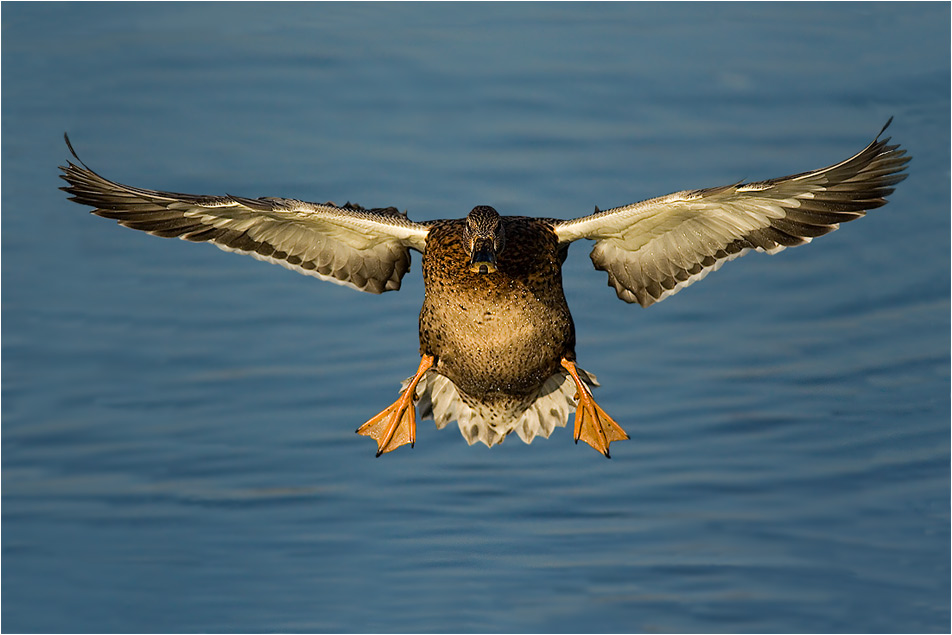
point(396, 425)
point(592, 424)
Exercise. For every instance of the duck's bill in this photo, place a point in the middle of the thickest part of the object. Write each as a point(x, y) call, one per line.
point(483, 260)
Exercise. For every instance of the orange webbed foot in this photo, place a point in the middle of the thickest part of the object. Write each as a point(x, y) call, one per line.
point(592, 424)
point(396, 424)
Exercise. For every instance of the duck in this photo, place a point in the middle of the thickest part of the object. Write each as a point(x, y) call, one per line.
point(497, 339)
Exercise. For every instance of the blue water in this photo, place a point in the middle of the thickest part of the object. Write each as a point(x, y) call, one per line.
point(178, 447)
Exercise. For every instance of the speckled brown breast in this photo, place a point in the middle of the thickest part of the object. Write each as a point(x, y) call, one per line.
point(497, 336)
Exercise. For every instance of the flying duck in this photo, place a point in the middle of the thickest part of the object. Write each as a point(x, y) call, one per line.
point(497, 340)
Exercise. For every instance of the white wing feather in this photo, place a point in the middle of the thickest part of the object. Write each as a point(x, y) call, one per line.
point(655, 248)
point(364, 249)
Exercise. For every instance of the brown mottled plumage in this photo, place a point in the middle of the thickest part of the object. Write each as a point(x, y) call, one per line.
point(496, 335)
point(497, 342)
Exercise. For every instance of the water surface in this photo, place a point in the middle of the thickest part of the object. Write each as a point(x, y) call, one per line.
point(178, 450)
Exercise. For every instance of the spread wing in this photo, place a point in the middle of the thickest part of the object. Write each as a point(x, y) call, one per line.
point(367, 249)
point(655, 248)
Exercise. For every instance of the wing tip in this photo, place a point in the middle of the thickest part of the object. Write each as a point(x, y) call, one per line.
point(888, 121)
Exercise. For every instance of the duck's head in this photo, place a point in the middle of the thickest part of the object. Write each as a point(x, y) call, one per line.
point(483, 238)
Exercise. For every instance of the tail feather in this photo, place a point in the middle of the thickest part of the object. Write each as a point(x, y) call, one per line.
point(439, 399)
